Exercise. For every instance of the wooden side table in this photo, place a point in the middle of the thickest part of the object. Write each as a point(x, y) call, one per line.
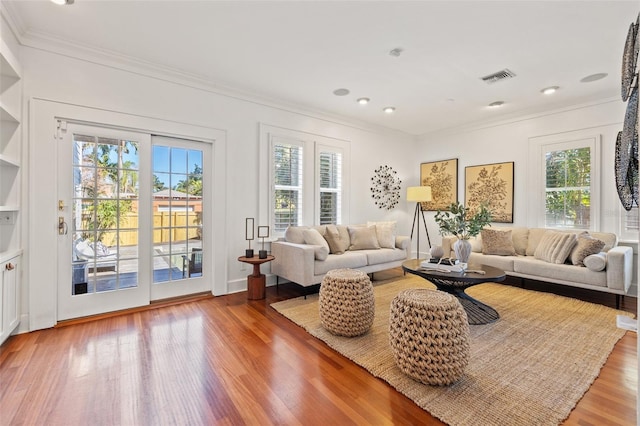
point(256, 283)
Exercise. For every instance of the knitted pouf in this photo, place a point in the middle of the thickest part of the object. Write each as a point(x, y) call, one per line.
point(346, 302)
point(429, 336)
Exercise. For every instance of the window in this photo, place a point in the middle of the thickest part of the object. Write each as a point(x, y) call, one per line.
point(568, 188)
point(304, 183)
point(630, 225)
point(330, 169)
point(564, 189)
point(287, 173)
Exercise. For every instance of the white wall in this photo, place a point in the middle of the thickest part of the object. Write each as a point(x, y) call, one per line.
point(115, 89)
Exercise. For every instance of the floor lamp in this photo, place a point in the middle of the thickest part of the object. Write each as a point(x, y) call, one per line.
point(419, 194)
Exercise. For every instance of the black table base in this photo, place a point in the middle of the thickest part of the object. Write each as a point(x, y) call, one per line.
point(477, 312)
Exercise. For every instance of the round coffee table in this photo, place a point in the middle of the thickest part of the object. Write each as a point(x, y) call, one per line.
point(456, 282)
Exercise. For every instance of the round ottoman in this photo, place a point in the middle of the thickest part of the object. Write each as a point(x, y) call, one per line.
point(429, 336)
point(346, 302)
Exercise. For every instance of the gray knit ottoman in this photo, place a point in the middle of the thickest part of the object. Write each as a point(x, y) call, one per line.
point(429, 336)
point(346, 302)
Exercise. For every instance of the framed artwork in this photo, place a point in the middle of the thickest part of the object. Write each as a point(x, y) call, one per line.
point(442, 177)
point(491, 184)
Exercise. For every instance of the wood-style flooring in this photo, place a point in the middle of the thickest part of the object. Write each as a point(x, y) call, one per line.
point(226, 360)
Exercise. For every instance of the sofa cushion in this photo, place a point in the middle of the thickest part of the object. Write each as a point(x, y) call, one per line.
point(586, 245)
point(384, 255)
point(545, 271)
point(555, 247)
point(338, 239)
point(350, 259)
point(596, 262)
point(520, 237)
point(363, 238)
point(294, 234)
point(313, 237)
point(535, 235)
point(498, 242)
point(502, 262)
point(385, 232)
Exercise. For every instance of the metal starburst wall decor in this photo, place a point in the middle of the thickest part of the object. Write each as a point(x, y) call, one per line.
point(385, 187)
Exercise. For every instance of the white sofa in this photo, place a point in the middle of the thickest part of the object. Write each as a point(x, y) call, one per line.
point(609, 270)
point(301, 262)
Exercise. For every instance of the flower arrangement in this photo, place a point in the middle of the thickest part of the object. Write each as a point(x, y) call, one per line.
point(457, 222)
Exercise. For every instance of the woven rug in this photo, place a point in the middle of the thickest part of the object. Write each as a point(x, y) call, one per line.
point(530, 367)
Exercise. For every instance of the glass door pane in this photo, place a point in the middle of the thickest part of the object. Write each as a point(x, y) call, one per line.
point(177, 213)
point(104, 223)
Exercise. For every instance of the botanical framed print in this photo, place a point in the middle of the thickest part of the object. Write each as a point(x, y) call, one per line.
point(442, 177)
point(492, 185)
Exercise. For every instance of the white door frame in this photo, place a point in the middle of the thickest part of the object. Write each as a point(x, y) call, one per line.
point(40, 195)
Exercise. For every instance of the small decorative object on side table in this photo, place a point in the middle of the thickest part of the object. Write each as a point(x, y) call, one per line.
point(249, 235)
point(256, 283)
point(263, 232)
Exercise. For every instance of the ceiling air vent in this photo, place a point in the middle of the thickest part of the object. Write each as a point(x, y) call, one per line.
point(498, 76)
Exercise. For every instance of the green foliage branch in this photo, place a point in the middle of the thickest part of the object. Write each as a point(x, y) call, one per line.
point(459, 222)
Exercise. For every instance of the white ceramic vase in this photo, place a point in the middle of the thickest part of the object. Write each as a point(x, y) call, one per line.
point(462, 248)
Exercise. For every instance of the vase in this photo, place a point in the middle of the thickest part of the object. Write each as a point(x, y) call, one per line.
point(462, 248)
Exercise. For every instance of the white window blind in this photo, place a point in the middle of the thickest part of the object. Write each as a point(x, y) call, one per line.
point(630, 224)
point(330, 189)
point(568, 188)
point(287, 196)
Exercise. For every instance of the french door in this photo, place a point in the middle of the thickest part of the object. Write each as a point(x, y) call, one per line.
point(130, 222)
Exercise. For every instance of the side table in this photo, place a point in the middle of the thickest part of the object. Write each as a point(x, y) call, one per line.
point(256, 283)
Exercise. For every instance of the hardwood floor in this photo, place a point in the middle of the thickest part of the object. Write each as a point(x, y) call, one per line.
point(226, 360)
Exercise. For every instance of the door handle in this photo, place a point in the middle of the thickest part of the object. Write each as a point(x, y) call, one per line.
point(62, 226)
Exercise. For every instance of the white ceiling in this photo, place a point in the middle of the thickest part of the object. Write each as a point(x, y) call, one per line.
point(299, 52)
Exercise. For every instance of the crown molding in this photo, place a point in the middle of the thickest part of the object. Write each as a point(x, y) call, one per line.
point(516, 118)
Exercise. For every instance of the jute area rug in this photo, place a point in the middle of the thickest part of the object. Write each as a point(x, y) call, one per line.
point(530, 367)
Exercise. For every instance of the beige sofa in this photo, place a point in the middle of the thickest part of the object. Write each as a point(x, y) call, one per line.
point(610, 270)
point(305, 261)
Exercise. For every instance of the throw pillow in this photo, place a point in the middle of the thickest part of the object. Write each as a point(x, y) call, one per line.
point(596, 262)
point(313, 237)
point(294, 234)
point(587, 245)
point(363, 238)
point(386, 233)
point(338, 244)
point(497, 242)
point(555, 247)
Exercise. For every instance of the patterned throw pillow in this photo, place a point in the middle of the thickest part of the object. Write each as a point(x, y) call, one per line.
point(587, 245)
point(497, 242)
point(555, 247)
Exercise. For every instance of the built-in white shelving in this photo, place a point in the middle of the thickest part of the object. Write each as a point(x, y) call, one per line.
point(10, 150)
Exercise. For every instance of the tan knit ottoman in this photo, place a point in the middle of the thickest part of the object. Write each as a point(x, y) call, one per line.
point(346, 302)
point(429, 336)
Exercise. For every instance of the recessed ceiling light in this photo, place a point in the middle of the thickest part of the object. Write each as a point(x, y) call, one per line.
point(594, 77)
point(396, 52)
point(61, 2)
point(389, 109)
point(549, 90)
point(341, 92)
point(363, 101)
point(496, 104)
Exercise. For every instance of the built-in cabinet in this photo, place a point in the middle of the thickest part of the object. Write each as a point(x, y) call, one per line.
point(10, 173)
point(10, 296)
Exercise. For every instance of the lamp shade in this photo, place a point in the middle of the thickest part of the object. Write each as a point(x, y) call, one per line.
point(419, 193)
